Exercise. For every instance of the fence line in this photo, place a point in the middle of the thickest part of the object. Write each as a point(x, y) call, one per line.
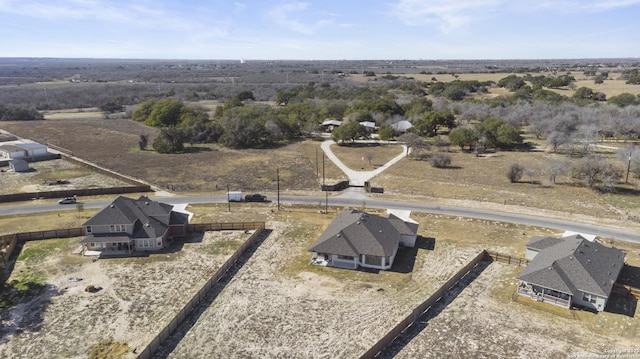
point(420, 309)
point(73, 192)
point(505, 258)
point(173, 325)
point(624, 288)
point(13, 239)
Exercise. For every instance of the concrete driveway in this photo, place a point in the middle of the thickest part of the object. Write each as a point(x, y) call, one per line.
point(358, 178)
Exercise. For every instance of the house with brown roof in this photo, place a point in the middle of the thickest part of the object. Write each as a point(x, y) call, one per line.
point(128, 225)
point(358, 238)
point(570, 271)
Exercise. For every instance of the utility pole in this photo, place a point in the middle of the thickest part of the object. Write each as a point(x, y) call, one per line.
point(326, 193)
point(628, 167)
point(228, 201)
point(278, 180)
point(317, 162)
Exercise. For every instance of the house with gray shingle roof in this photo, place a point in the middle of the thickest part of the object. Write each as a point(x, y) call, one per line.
point(358, 238)
point(570, 271)
point(128, 225)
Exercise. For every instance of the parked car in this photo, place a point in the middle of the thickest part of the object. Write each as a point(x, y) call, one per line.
point(67, 200)
point(256, 197)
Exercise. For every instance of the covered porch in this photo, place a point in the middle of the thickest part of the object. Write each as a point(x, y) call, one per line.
point(541, 294)
point(331, 260)
point(108, 245)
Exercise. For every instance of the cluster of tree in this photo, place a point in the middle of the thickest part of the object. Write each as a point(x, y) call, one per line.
point(19, 113)
point(179, 123)
point(349, 132)
point(457, 90)
point(552, 82)
point(632, 76)
point(492, 132)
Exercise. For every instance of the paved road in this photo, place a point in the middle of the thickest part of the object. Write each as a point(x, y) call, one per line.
point(356, 198)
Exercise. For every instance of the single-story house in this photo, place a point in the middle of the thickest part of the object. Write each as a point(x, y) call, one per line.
point(330, 125)
point(401, 126)
point(128, 225)
point(12, 151)
point(570, 271)
point(358, 238)
point(18, 165)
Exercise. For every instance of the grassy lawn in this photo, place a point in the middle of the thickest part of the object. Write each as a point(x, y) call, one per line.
point(366, 156)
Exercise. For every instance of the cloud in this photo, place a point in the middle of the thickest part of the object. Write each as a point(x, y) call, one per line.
point(282, 16)
point(132, 13)
point(447, 15)
point(239, 7)
point(585, 6)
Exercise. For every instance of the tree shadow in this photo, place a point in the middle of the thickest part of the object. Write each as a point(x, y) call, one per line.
point(198, 149)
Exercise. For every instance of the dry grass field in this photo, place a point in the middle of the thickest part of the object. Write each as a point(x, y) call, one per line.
point(611, 87)
point(366, 156)
point(205, 168)
point(77, 176)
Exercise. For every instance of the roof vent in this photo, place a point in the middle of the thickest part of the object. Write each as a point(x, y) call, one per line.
point(147, 224)
point(146, 203)
point(358, 222)
point(338, 235)
point(111, 205)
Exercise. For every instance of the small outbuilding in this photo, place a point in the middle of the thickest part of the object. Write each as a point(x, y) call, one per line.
point(18, 165)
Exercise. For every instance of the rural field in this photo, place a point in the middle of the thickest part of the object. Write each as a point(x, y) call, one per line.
point(78, 177)
point(470, 181)
point(136, 297)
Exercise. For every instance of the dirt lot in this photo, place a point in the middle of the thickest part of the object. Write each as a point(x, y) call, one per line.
point(78, 177)
point(138, 296)
point(483, 321)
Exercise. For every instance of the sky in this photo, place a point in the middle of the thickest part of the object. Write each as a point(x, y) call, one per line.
point(320, 29)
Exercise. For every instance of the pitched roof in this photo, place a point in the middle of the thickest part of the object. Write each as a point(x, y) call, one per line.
point(402, 125)
point(539, 242)
point(150, 219)
point(353, 233)
point(575, 264)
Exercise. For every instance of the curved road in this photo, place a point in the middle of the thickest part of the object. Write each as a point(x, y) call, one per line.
point(355, 197)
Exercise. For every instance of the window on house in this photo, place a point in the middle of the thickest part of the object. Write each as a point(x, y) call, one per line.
point(88, 229)
point(373, 260)
point(159, 243)
point(350, 258)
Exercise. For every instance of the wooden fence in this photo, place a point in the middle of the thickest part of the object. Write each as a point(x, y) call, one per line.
point(627, 289)
point(201, 227)
point(505, 258)
point(165, 333)
point(335, 187)
point(422, 308)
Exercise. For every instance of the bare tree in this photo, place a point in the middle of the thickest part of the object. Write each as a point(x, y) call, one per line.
point(593, 170)
point(440, 160)
point(557, 168)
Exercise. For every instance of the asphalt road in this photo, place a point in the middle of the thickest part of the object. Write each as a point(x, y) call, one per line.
point(356, 200)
